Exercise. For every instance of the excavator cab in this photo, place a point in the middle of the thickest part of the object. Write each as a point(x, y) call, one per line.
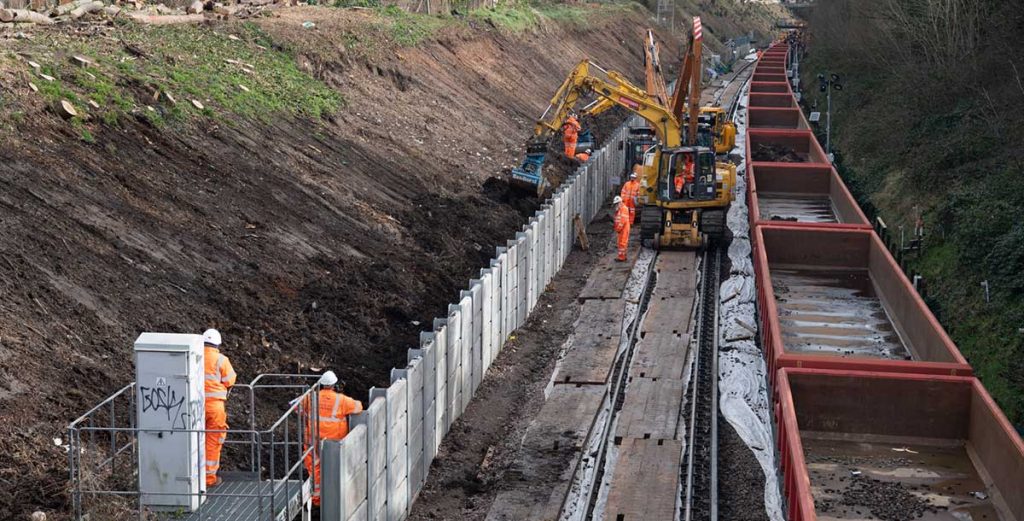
point(721, 129)
point(689, 176)
point(692, 193)
point(639, 141)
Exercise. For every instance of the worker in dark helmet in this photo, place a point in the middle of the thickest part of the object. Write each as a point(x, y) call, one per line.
point(334, 409)
point(220, 377)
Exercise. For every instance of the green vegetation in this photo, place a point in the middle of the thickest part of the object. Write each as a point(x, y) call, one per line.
point(928, 122)
point(410, 29)
point(157, 73)
point(521, 17)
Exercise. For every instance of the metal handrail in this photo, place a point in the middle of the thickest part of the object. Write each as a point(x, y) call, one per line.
point(109, 399)
point(304, 409)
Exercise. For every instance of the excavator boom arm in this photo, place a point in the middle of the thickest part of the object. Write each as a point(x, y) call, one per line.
point(655, 79)
point(687, 93)
point(616, 90)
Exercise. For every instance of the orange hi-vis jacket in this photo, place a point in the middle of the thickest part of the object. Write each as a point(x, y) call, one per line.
point(630, 193)
point(571, 129)
point(220, 376)
point(622, 221)
point(688, 175)
point(334, 409)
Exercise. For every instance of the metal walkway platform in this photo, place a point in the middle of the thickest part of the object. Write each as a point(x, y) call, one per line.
point(242, 499)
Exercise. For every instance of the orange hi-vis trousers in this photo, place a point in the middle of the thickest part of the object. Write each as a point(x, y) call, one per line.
point(570, 146)
point(216, 419)
point(622, 225)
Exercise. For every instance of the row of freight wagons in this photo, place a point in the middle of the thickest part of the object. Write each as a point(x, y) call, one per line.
point(878, 415)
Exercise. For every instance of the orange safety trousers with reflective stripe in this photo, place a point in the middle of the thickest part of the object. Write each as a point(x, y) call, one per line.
point(334, 408)
point(622, 225)
point(220, 376)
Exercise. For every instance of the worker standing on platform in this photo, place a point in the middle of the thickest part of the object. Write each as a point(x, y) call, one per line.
point(334, 409)
point(622, 225)
point(220, 377)
point(630, 194)
point(570, 134)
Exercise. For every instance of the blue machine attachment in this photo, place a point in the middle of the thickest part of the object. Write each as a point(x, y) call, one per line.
point(530, 176)
point(584, 141)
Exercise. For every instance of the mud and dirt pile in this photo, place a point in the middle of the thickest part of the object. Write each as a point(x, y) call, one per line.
point(776, 154)
point(311, 243)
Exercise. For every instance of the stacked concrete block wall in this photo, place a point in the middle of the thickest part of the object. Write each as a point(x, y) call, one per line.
point(376, 472)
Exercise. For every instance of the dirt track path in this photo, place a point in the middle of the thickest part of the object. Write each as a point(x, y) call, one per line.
point(465, 477)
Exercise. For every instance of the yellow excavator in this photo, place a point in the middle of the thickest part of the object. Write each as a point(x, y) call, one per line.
point(714, 120)
point(685, 192)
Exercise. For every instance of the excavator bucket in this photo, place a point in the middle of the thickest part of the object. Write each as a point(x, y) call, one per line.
point(530, 175)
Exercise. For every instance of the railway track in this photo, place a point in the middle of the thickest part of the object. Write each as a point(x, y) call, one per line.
point(700, 495)
point(658, 447)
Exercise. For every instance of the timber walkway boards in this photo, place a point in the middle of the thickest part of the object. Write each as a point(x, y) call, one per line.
point(648, 434)
point(553, 447)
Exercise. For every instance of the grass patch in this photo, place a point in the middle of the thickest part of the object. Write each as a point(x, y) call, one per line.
point(522, 17)
point(516, 18)
point(411, 29)
point(247, 77)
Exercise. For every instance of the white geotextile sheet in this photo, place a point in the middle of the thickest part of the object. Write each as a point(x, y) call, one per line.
point(742, 386)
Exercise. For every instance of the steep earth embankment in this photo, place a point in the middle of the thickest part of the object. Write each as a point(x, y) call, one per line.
point(311, 242)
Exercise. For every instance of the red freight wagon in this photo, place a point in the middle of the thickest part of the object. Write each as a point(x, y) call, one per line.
point(857, 445)
point(771, 99)
point(790, 146)
point(770, 86)
point(776, 117)
point(800, 194)
point(770, 68)
point(836, 299)
point(768, 76)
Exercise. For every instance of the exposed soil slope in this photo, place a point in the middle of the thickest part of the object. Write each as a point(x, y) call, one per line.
point(310, 243)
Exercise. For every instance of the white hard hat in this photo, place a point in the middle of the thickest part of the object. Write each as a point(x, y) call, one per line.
point(212, 337)
point(617, 200)
point(588, 150)
point(328, 379)
point(632, 175)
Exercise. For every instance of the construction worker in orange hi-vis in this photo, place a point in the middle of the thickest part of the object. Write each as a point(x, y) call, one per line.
point(630, 194)
point(622, 224)
point(584, 156)
point(334, 409)
point(686, 176)
point(570, 133)
point(220, 377)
